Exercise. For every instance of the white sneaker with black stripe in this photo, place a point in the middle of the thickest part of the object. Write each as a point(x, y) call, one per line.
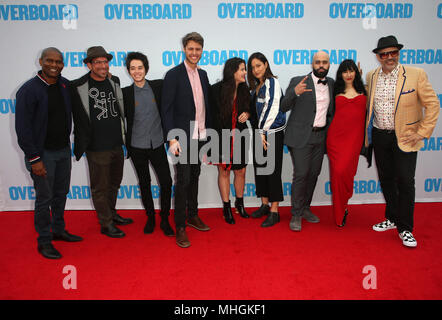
point(384, 226)
point(407, 239)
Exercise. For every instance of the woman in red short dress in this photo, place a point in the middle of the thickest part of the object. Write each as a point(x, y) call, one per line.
point(345, 136)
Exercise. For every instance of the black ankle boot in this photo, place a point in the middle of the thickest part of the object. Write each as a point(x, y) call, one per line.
point(227, 212)
point(272, 219)
point(263, 210)
point(165, 225)
point(239, 205)
point(150, 224)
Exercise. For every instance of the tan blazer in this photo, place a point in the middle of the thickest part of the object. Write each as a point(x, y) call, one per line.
point(413, 93)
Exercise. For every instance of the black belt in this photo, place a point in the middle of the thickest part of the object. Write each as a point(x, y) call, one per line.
point(386, 131)
point(315, 129)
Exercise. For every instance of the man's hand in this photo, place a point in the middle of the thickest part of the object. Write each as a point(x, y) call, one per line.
point(174, 147)
point(39, 169)
point(411, 138)
point(301, 87)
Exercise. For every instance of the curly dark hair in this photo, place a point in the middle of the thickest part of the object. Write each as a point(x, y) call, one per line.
point(228, 87)
point(339, 86)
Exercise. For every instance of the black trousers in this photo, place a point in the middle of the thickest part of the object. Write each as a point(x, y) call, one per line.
point(396, 170)
point(307, 164)
point(186, 188)
point(270, 185)
point(158, 158)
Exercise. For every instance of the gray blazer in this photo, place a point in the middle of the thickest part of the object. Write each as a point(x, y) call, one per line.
point(303, 110)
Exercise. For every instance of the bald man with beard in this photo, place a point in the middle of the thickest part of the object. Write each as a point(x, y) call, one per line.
point(310, 100)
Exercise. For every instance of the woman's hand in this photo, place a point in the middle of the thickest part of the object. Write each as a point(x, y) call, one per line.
point(264, 141)
point(243, 117)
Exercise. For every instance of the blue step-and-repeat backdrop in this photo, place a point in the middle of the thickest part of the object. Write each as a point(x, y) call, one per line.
point(287, 32)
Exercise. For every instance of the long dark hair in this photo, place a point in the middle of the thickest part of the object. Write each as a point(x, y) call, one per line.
point(339, 86)
point(228, 87)
point(253, 81)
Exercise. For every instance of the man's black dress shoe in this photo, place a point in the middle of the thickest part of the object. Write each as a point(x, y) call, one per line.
point(165, 226)
point(47, 250)
point(112, 232)
point(119, 220)
point(66, 236)
point(150, 224)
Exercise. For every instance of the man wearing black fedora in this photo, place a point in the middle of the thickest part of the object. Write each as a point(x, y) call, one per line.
point(98, 113)
point(396, 126)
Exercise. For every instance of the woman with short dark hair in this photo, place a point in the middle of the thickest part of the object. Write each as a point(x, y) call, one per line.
point(345, 136)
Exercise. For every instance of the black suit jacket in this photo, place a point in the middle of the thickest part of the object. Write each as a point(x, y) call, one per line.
point(177, 104)
point(129, 103)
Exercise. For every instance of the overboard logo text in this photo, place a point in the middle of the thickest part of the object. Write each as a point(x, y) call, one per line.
point(360, 187)
point(147, 11)
point(38, 12)
point(433, 185)
point(305, 56)
point(75, 58)
point(212, 57)
point(420, 56)
point(7, 106)
point(251, 10)
point(432, 144)
point(355, 10)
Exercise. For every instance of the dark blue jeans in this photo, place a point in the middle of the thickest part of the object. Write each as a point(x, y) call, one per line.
point(50, 193)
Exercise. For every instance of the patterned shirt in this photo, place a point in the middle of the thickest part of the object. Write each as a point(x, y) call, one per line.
point(384, 99)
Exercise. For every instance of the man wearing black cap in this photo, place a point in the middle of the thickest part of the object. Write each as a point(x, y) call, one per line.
point(396, 125)
point(43, 123)
point(98, 112)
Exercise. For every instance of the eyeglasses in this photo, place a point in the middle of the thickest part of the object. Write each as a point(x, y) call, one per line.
point(96, 62)
point(384, 55)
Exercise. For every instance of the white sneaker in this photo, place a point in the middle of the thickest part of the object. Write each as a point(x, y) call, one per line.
point(407, 239)
point(384, 226)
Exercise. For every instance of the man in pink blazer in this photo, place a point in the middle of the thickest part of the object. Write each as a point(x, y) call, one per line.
point(396, 126)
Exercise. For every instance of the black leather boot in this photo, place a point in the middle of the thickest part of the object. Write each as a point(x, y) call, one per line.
point(272, 219)
point(165, 225)
point(263, 210)
point(239, 205)
point(227, 212)
point(150, 224)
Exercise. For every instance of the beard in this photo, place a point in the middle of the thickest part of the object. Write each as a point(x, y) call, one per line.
point(320, 73)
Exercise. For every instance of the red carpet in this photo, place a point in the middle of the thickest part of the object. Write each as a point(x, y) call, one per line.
point(243, 261)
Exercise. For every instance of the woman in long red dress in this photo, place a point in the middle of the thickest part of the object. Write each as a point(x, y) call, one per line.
point(345, 136)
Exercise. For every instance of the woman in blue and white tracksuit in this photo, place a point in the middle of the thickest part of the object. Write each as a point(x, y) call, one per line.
point(270, 124)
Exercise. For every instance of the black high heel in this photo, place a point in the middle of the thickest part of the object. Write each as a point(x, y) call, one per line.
point(239, 206)
point(227, 213)
point(344, 219)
